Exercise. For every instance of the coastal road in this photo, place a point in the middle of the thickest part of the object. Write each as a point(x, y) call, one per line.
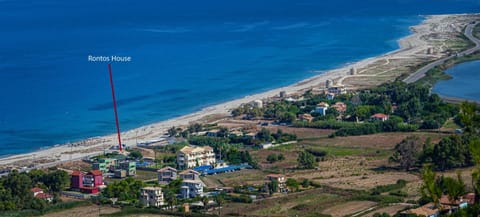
point(422, 71)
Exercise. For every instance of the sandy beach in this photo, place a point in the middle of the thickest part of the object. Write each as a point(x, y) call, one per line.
point(430, 40)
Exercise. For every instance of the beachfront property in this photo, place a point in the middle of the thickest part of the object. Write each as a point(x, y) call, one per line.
point(340, 107)
point(166, 175)
point(280, 180)
point(151, 197)
point(86, 182)
point(321, 108)
point(337, 89)
point(38, 193)
point(193, 156)
point(379, 117)
point(118, 165)
point(191, 189)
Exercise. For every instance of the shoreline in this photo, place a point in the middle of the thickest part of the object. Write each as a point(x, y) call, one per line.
point(408, 46)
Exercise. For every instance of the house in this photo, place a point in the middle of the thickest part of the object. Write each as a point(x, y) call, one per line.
point(87, 183)
point(151, 196)
point(330, 96)
point(280, 179)
point(129, 166)
point(379, 117)
point(105, 164)
point(266, 145)
point(38, 193)
point(427, 210)
point(336, 89)
point(166, 175)
point(191, 188)
point(453, 205)
point(192, 156)
point(305, 117)
point(340, 107)
point(76, 180)
point(322, 108)
point(189, 175)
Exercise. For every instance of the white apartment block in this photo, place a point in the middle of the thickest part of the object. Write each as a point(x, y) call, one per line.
point(151, 196)
point(192, 156)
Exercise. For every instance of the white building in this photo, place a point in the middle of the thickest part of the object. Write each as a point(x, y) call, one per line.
point(192, 188)
point(191, 156)
point(151, 196)
point(322, 108)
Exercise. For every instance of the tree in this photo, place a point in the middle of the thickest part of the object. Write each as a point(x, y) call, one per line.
point(205, 201)
point(454, 188)
point(264, 135)
point(292, 183)
point(172, 132)
point(306, 160)
point(57, 180)
point(305, 183)
point(273, 186)
point(135, 154)
point(406, 152)
point(429, 188)
point(271, 158)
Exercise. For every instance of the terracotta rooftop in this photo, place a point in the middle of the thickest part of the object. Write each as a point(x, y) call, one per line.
point(379, 115)
point(76, 173)
point(43, 196)
point(36, 189)
point(425, 210)
point(96, 172)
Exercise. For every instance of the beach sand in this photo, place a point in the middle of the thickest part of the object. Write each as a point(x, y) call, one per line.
point(436, 33)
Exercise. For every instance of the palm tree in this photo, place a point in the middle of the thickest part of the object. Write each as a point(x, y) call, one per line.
point(429, 187)
point(205, 201)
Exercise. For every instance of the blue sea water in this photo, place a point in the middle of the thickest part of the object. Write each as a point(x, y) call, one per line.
point(187, 55)
point(464, 82)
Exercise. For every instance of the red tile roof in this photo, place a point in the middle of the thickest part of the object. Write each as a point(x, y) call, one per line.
point(96, 172)
point(43, 196)
point(380, 116)
point(36, 189)
point(76, 173)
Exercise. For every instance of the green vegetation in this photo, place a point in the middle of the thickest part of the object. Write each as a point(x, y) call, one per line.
point(306, 160)
point(124, 190)
point(15, 194)
point(272, 158)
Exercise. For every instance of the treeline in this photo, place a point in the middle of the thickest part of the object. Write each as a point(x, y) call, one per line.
point(15, 189)
point(410, 107)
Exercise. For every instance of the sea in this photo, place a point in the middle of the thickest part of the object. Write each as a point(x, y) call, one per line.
point(463, 84)
point(185, 55)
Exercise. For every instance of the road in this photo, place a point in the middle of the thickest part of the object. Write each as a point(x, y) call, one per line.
point(422, 71)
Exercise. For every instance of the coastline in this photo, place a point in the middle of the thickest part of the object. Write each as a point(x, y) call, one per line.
point(409, 46)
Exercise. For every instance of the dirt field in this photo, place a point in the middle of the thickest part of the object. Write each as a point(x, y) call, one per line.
point(391, 210)
point(84, 211)
point(348, 208)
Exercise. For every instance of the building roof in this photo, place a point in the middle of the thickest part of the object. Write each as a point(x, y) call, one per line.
point(323, 104)
point(76, 173)
point(379, 116)
point(195, 149)
point(340, 107)
point(445, 200)
point(36, 189)
point(188, 171)
point(43, 196)
point(152, 188)
point(425, 210)
point(192, 181)
point(96, 172)
point(167, 168)
point(275, 175)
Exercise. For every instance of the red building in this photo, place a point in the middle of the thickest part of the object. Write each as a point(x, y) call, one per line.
point(87, 183)
point(76, 180)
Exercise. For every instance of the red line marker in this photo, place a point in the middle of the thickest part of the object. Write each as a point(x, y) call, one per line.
point(115, 107)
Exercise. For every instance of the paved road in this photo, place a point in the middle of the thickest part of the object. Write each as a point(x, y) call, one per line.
point(422, 71)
